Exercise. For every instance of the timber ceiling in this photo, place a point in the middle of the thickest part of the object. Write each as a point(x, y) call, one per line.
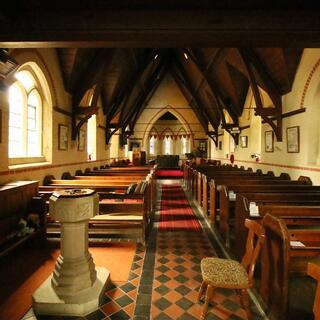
point(122, 49)
point(211, 79)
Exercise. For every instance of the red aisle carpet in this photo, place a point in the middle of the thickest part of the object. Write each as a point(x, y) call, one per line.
point(171, 174)
point(176, 213)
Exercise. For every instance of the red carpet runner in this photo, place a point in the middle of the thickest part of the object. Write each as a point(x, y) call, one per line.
point(176, 213)
point(171, 174)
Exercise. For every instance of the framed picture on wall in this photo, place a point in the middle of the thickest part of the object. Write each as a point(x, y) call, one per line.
point(0, 126)
point(63, 137)
point(244, 141)
point(81, 140)
point(293, 139)
point(268, 141)
point(134, 145)
point(203, 145)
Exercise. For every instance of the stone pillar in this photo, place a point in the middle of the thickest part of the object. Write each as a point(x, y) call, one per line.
point(75, 287)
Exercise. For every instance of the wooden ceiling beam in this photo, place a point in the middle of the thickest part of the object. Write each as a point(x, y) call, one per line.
point(148, 97)
point(185, 91)
point(128, 87)
point(141, 98)
point(252, 64)
point(91, 75)
point(194, 94)
point(214, 87)
point(159, 28)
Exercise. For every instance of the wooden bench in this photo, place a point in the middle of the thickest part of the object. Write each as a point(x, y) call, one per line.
point(220, 188)
point(199, 180)
point(120, 212)
point(314, 272)
point(286, 205)
point(20, 200)
point(127, 218)
point(285, 289)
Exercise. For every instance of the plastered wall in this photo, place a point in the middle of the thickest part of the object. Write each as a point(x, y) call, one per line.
point(56, 161)
point(305, 94)
point(168, 97)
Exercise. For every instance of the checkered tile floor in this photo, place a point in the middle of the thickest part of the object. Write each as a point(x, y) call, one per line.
point(163, 284)
point(177, 278)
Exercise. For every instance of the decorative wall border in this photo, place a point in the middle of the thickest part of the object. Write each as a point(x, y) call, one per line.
point(49, 166)
point(274, 165)
point(307, 84)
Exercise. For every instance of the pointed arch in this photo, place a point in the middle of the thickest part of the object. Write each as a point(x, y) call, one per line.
point(163, 133)
point(176, 113)
point(37, 142)
point(154, 132)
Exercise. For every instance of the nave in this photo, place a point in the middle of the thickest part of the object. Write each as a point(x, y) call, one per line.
point(164, 279)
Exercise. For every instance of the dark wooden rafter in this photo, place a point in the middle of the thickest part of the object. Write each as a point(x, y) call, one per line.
point(220, 101)
point(184, 87)
point(271, 115)
point(110, 132)
point(125, 94)
point(93, 78)
point(128, 87)
point(85, 112)
point(152, 81)
point(130, 108)
point(214, 135)
point(201, 112)
point(91, 75)
point(229, 127)
point(150, 94)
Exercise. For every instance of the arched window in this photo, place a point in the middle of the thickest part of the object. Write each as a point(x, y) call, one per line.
point(184, 143)
point(91, 138)
point(151, 145)
point(167, 145)
point(25, 117)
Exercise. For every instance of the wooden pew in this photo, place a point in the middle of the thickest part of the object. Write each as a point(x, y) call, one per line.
point(220, 189)
point(127, 218)
point(206, 174)
point(120, 214)
point(20, 200)
point(285, 289)
point(302, 207)
point(314, 272)
point(195, 177)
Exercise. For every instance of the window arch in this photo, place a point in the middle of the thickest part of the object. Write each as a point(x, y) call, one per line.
point(92, 137)
point(25, 117)
point(152, 145)
point(168, 145)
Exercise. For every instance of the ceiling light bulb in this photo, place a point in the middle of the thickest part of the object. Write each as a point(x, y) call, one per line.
point(156, 57)
point(185, 55)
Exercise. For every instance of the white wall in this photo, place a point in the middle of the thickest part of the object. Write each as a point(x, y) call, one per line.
point(305, 94)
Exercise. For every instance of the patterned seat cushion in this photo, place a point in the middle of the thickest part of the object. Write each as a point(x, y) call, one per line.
point(224, 272)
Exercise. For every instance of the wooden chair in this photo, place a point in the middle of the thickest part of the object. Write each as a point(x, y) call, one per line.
point(314, 272)
point(226, 273)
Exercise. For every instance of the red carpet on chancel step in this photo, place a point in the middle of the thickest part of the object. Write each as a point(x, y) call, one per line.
point(176, 213)
point(169, 173)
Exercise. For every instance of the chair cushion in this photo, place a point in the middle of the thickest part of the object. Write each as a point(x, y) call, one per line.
point(223, 272)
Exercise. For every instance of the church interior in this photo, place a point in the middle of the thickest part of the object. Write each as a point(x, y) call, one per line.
point(159, 160)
